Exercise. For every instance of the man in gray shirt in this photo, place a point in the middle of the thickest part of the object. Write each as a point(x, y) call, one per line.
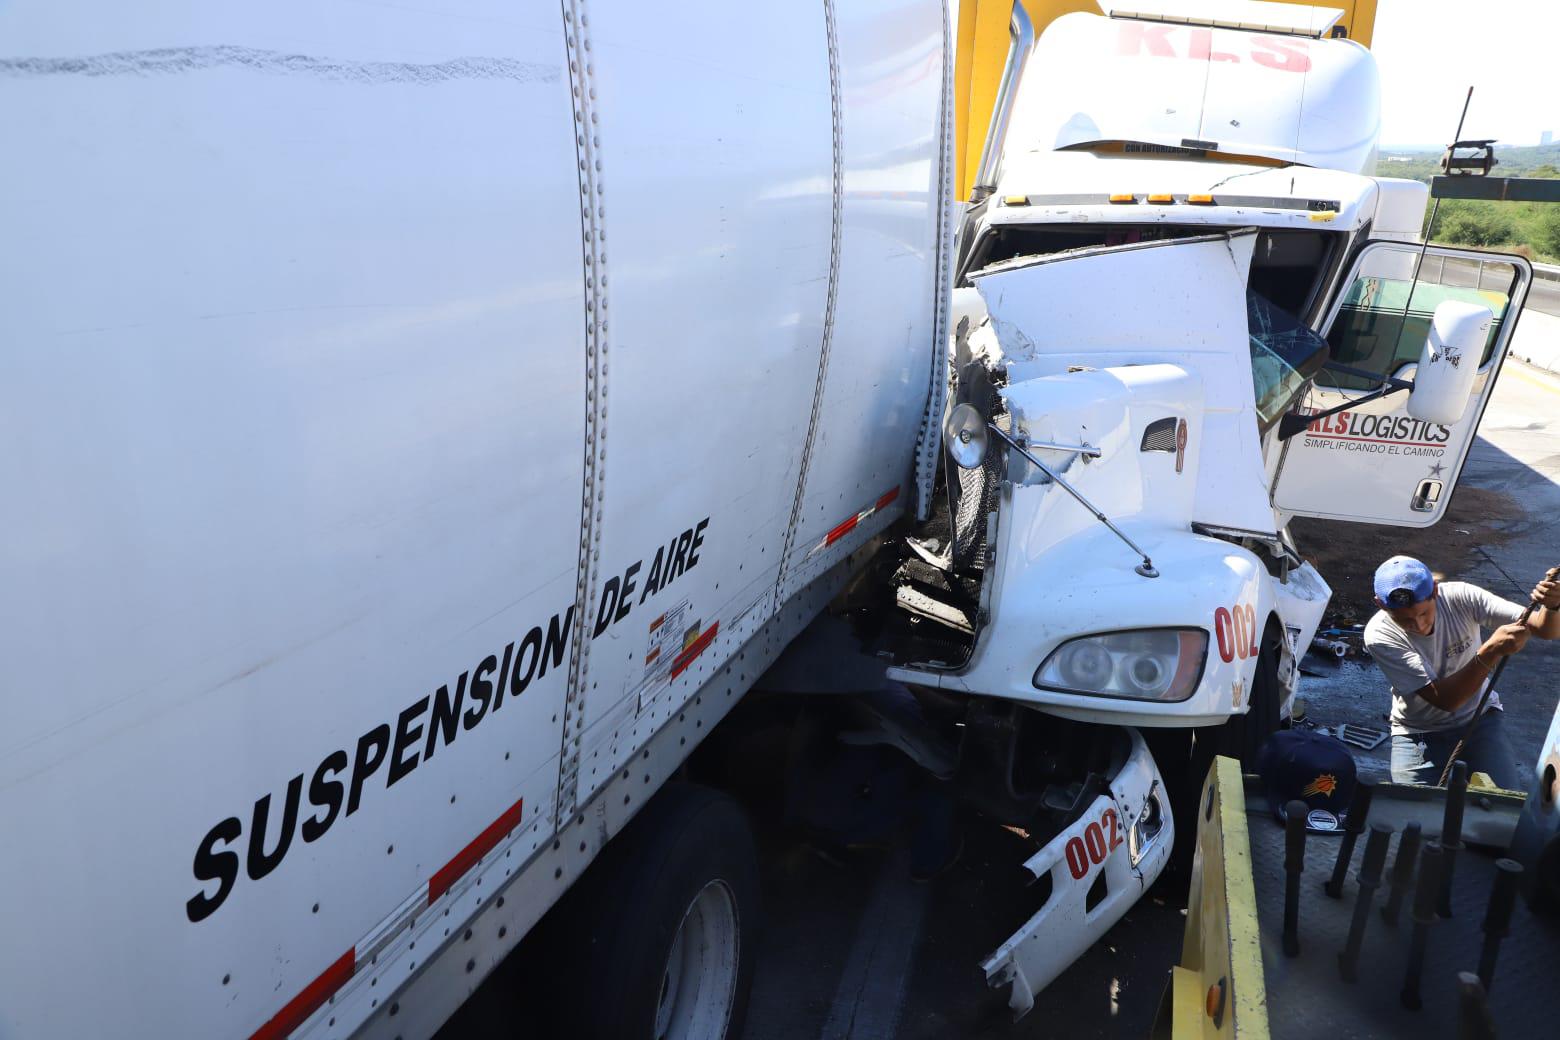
point(1427, 639)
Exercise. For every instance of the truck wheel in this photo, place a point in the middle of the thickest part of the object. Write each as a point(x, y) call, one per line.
point(1185, 756)
point(1243, 735)
point(668, 929)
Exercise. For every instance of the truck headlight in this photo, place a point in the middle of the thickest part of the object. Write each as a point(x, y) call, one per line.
point(1162, 664)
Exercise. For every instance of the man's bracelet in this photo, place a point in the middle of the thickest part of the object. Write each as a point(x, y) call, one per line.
point(1487, 668)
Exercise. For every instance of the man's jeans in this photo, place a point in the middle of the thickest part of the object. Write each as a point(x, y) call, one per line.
point(1418, 758)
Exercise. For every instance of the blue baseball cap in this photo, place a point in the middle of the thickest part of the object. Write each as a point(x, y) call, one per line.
point(1297, 764)
point(1403, 581)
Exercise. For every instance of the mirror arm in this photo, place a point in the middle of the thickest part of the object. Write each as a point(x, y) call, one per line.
point(1294, 422)
point(1348, 370)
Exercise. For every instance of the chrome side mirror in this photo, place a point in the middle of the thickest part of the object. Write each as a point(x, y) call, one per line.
point(964, 433)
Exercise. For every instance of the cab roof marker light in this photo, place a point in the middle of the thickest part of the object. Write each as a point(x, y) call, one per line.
point(1015, 200)
point(1324, 216)
point(1200, 200)
point(1123, 198)
point(1161, 199)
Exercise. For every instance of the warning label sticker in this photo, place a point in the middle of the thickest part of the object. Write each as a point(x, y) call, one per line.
point(663, 643)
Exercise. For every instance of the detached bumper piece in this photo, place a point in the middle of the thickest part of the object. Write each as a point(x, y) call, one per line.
point(1097, 869)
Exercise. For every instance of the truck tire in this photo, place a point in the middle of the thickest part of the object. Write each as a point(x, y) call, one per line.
point(1185, 756)
point(665, 934)
point(1243, 735)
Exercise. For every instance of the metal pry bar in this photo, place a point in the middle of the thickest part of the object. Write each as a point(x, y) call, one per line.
point(1369, 880)
point(1451, 833)
point(1146, 568)
point(1425, 888)
point(1489, 688)
point(1294, 866)
point(1402, 871)
point(1353, 826)
point(1497, 918)
point(1473, 1009)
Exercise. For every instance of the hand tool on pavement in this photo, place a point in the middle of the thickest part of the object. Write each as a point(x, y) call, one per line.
point(1330, 647)
point(1369, 879)
point(1402, 871)
point(1489, 687)
point(1424, 916)
point(1451, 833)
point(1361, 736)
point(1353, 824)
point(1294, 864)
point(1497, 918)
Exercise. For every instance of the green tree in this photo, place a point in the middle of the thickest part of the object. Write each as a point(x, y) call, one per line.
point(1473, 223)
point(1545, 235)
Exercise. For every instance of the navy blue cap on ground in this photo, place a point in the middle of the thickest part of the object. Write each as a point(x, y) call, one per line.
point(1316, 769)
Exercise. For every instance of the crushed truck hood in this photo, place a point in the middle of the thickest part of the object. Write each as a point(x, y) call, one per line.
point(1181, 302)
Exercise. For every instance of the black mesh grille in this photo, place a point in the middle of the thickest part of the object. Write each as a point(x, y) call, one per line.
point(1160, 435)
point(973, 492)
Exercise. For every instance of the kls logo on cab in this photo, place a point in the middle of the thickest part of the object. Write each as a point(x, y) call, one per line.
point(1091, 849)
point(1159, 41)
point(1236, 630)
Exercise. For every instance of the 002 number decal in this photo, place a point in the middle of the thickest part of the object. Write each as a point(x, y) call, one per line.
point(1099, 840)
point(1236, 631)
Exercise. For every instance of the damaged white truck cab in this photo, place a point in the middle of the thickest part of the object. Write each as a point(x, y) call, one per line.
point(1183, 306)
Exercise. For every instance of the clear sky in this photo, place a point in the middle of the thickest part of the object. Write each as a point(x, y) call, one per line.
point(1431, 51)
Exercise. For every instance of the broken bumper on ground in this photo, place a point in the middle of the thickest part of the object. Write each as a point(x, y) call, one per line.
point(1098, 867)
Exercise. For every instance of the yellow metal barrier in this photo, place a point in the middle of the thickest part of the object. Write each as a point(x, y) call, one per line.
point(1218, 990)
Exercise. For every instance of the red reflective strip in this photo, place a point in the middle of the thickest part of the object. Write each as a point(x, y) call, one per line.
point(850, 525)
point(841, 531)
point(452, 871)
point(309, 1001)
point(694, 649)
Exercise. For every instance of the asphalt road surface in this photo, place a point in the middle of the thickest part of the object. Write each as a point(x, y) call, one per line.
point(1544, 295)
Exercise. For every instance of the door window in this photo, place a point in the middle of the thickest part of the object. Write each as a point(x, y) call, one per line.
point(1380, 327)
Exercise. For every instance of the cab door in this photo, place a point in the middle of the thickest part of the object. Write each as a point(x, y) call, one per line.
point(1375, 463)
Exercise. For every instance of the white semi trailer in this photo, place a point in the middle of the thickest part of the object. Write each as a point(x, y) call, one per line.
point(423, 423)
